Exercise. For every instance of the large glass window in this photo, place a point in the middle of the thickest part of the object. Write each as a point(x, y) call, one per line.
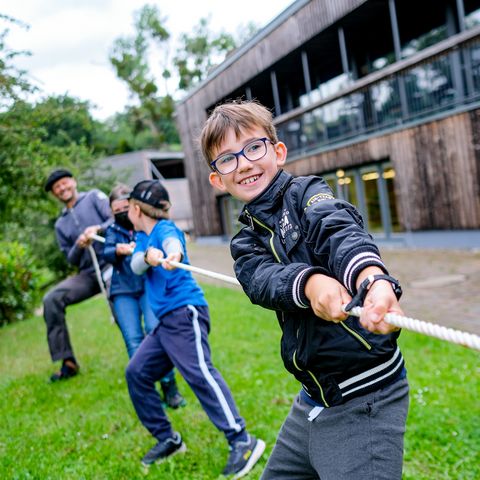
point(369, 39)
point(389, 178)
point(290, 81)
point(421, 24)
point(472, 13)
point(363, 188)
point(444, 82)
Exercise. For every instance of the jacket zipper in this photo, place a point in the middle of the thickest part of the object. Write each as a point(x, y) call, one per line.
point(313, 378)
point(272, 233)
point(356, 335)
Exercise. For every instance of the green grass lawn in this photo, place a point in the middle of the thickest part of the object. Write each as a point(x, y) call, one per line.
point(86, 428)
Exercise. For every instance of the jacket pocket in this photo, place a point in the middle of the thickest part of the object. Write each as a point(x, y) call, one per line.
point(350, 326)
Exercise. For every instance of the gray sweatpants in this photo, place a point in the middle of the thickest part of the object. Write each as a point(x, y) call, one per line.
point(359, 440)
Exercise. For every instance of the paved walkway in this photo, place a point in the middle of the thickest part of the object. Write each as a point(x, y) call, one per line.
point(440, 286)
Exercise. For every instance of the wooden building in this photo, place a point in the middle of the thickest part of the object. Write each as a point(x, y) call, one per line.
point(133, 167)
point(381, 97)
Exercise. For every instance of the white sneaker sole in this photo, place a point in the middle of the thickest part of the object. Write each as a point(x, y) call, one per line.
point(182, 449)
point(254, 457)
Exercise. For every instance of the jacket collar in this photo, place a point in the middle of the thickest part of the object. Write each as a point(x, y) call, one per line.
point(266, 204)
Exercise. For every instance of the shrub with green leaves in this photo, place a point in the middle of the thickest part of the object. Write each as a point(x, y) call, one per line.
point(19, 279)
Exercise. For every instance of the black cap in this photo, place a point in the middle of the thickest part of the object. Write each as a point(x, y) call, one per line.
point(56, 175)
point(151, 192)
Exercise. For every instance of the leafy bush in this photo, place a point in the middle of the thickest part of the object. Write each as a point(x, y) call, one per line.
point(19, 279)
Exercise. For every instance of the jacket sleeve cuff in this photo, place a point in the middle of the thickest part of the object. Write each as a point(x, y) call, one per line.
point(298, 288)
point(357, 261)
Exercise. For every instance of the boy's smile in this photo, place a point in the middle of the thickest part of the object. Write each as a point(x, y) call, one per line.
point(250, 179)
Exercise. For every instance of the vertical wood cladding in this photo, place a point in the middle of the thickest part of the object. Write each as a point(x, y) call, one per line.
point(437, 169)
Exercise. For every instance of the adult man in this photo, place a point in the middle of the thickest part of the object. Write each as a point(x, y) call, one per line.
point(85, 213)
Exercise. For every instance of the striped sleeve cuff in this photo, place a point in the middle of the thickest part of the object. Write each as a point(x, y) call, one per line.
point(357, 262)
point(298, 289)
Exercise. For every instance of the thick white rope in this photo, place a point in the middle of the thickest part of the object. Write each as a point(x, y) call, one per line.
point(190, 268)
point(98, 274)
point(201, 271)
point(466, 339)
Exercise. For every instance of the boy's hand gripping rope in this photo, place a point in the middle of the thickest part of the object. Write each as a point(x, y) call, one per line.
point(466, 339)
point(469, 340)
point(190, 268)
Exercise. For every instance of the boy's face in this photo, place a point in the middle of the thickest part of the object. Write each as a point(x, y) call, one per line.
point(250, 178)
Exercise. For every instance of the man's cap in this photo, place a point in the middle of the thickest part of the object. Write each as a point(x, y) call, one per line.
point(56, 175)
point(151, 192)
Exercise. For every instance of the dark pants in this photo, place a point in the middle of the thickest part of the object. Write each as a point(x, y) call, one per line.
point(359, 440)
point(181, 340)
point(68, 292)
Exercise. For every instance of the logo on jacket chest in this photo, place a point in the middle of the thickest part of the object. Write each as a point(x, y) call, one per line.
point(285, 224)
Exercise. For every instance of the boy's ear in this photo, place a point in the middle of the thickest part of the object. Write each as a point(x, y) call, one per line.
point(281, 153)
point(216, 181)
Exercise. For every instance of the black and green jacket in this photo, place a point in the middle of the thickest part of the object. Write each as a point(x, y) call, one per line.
point(294, 229)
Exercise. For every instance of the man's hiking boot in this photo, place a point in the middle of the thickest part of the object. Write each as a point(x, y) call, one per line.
point(69, 369)
point(243, 457)
point(172, 397)
point(165, 449)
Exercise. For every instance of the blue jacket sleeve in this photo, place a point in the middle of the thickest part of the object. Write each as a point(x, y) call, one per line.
point(109, 249)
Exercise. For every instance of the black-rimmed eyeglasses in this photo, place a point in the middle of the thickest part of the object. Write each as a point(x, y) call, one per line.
point(252, 151)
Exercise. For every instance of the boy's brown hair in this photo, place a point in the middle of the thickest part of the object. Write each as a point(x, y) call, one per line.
point(240, 115)
point(152, 212)
point(152, 198)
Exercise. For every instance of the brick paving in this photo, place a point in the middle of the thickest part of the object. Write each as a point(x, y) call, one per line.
point(440, 286)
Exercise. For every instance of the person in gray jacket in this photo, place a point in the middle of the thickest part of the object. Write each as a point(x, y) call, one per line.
point(85, 213)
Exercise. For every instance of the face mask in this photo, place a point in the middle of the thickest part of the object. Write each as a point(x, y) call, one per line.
point(122, 220)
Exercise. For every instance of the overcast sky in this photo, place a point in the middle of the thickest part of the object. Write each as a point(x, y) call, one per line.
point(70, 39)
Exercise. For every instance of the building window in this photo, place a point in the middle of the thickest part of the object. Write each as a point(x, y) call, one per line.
point(472, 13)
point(372, 190)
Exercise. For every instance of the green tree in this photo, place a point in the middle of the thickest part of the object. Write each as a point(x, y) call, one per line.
point(34, 139)
point(199, 52)
point(196, 54)
point(129, 57)
point(12, 80)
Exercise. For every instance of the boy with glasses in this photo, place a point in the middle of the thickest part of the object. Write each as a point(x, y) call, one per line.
point(305, 254)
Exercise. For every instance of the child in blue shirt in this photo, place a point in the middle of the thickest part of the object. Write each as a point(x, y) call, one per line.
point(127, 290)
point(180, 340)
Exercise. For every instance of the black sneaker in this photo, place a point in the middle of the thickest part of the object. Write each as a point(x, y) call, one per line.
point(172, 396)
point(163, 450)
point(69, 369)
point(243, 457)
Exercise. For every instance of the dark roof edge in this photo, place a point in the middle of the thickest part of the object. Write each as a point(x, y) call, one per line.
point(270, 27)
